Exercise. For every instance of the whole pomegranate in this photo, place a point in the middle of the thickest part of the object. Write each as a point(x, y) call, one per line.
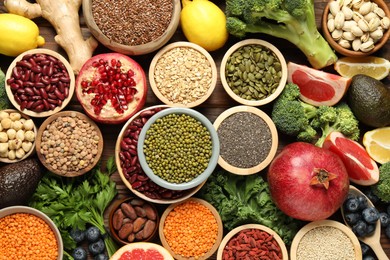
point(111, 88)
point(307, 182)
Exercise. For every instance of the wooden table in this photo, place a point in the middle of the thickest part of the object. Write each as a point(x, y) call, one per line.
point(216, 104)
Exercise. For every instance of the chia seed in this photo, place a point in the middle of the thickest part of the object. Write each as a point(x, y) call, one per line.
point(245, 140)
point(132, 22)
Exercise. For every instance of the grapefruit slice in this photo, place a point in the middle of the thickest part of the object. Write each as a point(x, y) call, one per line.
point(142, 251)
point(361, 168)
point(317, 87)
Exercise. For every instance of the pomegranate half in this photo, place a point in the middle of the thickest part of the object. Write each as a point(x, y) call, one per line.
point(111, 87)
point(142, 250)
point(307, 182)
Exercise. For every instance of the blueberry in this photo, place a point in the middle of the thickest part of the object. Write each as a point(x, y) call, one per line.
point(371, 196)
point(387, 231)
point(360, 228)
point(369, 257)
point(93, 234)
point(365, 248)
point(352, 218)
point(351, 204)
point(363, 202)
point(97, 247)
point(100, 257)
point(384, 218)
point(79, 253)
point(370, 229)
point(77, 235)
point(370, 215)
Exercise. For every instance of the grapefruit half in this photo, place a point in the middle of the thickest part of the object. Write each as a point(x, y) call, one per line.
point(142, 251)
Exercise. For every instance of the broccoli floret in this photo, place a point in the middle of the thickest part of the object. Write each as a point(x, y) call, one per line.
point(382, 187)
point(293, 20)
point(339, 118)
point(292, 116)
point(4, 102)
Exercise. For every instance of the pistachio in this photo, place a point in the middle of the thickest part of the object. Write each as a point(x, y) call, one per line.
point(339, 20)
point(376, 35)
point(356, 16)
point(365, 37)
point(347, 12)
point(348, 25)
point(337, 34)
point(370, 16)
point(379, 11)
point(334, 8)
point(365, 8)
point(363, 24)
point(356, 4)
point(356, 44)
point(357, 31)
point(346, 2)
point(385, 23)
point(367, 46)
point(344, 43)
point(349, 36)
point(330, 25)
point(373, 24)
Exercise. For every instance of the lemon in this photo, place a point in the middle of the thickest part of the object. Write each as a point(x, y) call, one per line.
point(377, 144)
point(375, 67)
point(203, 23)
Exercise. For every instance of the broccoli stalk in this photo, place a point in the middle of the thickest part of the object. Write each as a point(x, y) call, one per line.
point(382, 187)
point(292, 20)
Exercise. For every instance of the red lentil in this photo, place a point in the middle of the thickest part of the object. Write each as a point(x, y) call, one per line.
point(26, 236)
point(190, 229)
point(252, 244)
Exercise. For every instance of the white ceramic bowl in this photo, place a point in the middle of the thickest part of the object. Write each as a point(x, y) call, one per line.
point(212, 162)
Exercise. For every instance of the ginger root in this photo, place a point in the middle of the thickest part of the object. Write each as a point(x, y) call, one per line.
point(63, 16)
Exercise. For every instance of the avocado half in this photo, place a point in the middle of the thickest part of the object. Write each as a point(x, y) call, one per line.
point(369, 100)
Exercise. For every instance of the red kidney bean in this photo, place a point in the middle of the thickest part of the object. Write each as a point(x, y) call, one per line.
point(59, 95)
point(28, 91)
point(43, 93)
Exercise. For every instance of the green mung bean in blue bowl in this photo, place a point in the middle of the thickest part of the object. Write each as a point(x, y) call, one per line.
point(178, 148)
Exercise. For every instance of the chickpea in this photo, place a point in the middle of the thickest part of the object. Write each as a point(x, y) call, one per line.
point(29, 136)
point(3, 137)
point(17, 125)
point(20, 135)
point(11, 155)
point(3, 147)
point(3, 115)
point(20, 153)
point(6, 123)
point(28, 125)
point(11, 134)
point(26, 146)
point(15, 116)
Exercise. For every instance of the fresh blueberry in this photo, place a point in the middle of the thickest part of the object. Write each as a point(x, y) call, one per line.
point(363, 202)
point(77, 235)
point(352, 218)
point(351, 204)
point(93, 234)
point(365, 248)
point(100, 257)
point(370, 229)
point(370, 215)
point(360, 228)
point(79, 253)
point(387, 231)
point(384, 218)
point(97, 247)
point(371, 196)
point(369, 257)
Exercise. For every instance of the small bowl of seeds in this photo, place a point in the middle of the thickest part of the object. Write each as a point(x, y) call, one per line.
point(248, 140)
point(183, 74)
point(191, 229)
point(253, 241)
point(132, 27)
point(328, 239)
point(129, 167)
point(178, 148)
point(69, 143)
point(17, 136)
point(253, 72)
point(40, 82)
point(356, 28)
point(133, 220)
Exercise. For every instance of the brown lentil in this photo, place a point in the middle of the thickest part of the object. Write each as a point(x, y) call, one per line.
point(132, 22)
point(183, 75)
point(69, 144)
point(190, 229)
point(245, 139)
point(25, 236)
point(253, 72)
point(325, 242)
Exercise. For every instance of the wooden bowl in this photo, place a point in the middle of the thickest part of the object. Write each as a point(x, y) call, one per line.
point(214, 247)
point(119, 160)
point(324, 223)
point(86, 119)
point(32, 149)
point(224, 71)
point(238, 229)
point(117, 206)
point(128, 49)
point(191, 73)
point(29, 210)
point(350, 52)
point(57, 108)
point(232, 167)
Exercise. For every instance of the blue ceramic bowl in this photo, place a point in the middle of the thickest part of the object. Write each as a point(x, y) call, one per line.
point(202, 176)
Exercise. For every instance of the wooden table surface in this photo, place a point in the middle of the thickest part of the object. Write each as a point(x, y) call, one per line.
point(216, 104)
